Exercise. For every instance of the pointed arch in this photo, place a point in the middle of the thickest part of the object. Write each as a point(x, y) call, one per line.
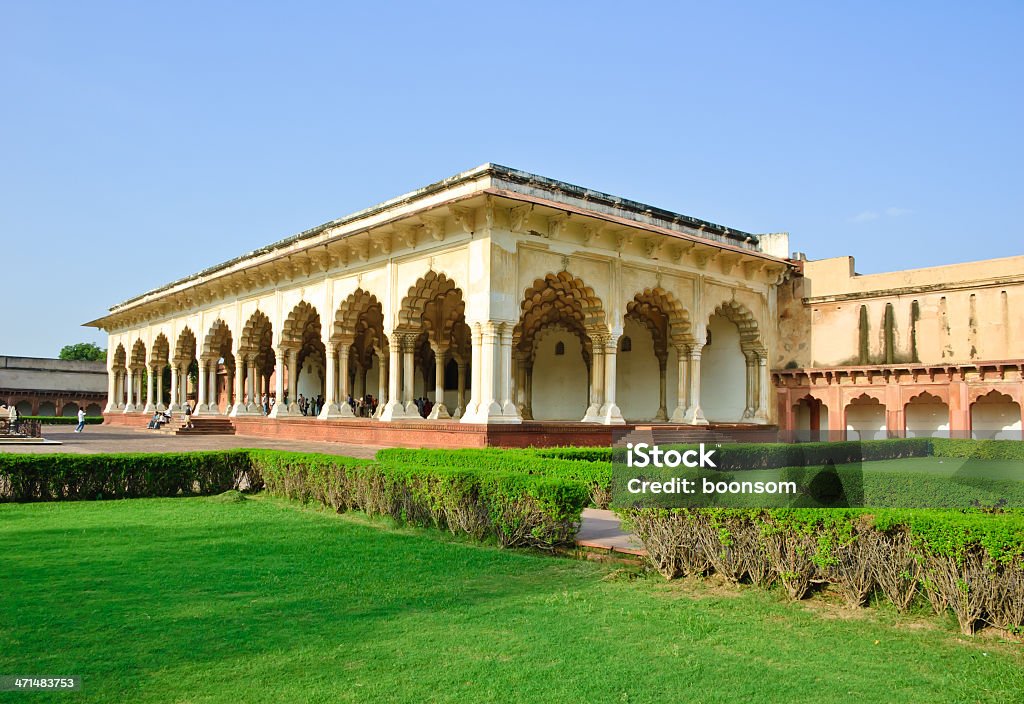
point(559, 298)
point(750, 332)
point(185, 346)
point(217, 343)
point(137, 359)
point(161, 352)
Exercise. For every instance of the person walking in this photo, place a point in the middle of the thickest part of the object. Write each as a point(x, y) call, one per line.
point(81, 420)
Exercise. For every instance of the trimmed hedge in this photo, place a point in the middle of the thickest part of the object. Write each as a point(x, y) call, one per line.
point(63, 420)
point(970, 563)
point(596, 475)
point(979, 449)
point(120, 476)
point(514, 508)
point(740, 456)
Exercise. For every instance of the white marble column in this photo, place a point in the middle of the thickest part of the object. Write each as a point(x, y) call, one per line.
point(241, 367)
point(439, 411)
point(150, 391)
point(160, 388)
point(489, 410)
point(201, 390)
point(212, 406)
point(129, 405)
point(682, 385)
point(761, 414)
point(409, 378)
point(252, 394)
point(175, 393)
point(593, 413)
point(382, 383)
point(470, 413)
point(751, 386)
point(344, 354)
point(279, 410)
point(293, 381)
point(695, 416)
point(394, 408)
point(330, 382)
point(520, 390)
point(509, 409)
point(111, 391)
point(461, 393)
point(610, 413)
point(662, 414)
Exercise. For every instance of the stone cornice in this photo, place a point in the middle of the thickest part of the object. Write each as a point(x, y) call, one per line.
point(407, 220)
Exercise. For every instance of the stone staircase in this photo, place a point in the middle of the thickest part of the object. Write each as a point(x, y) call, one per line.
point(201, 425)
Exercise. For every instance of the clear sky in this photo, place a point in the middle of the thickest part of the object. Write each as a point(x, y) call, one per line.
point(140, 142)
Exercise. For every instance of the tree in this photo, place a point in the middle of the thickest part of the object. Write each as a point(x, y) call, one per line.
point(85, 351)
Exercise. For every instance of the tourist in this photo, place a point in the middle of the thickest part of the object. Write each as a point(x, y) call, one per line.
point(188, 415)
point(81, 420)
point(154, 422)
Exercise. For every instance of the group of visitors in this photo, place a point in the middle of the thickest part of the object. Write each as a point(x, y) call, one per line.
point(424, 406)
point(363, 406)
point(310, 406)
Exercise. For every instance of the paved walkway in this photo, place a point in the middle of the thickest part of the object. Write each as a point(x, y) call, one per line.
point(113, 438)
point(603, 529)
point(599, 529)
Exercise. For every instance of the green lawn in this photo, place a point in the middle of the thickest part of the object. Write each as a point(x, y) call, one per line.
point(194, 600)
point(948, 466)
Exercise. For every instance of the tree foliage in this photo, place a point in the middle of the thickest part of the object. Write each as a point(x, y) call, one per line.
point(83, 351)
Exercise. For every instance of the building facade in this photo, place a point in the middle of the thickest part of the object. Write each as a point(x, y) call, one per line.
point(508, 298)
point(53, 387)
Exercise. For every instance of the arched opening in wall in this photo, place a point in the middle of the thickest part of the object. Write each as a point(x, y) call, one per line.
point(723, 372)
point(184, 361)
point(926, 416)
point(24, 408)
point(432, 324)
point(810, 420)
point(217, 350)
point(730, 375)
point(358, 331)
point(68, 410)
point(160, 359)
point(117, 368)
point(137, 365)
point(656, 330)
point(49, 408)
point(93, 409)
point(558, 313)
point(258, 363)
point(865, 419)
point(306, 376)
point(559, 380)
point(995, 416)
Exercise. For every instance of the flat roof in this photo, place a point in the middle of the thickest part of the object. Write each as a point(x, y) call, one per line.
point(504, 173)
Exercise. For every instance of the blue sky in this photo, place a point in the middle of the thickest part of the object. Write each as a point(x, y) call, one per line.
point(140, 142)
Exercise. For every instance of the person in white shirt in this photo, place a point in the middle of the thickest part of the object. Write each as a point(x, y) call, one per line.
point(81, 420)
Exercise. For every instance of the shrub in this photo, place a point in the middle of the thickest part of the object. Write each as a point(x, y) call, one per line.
point(64, 420)
point(969, 562)
point(978, 449)
point(120, 476)
point(596, 475)
point(515, 508)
